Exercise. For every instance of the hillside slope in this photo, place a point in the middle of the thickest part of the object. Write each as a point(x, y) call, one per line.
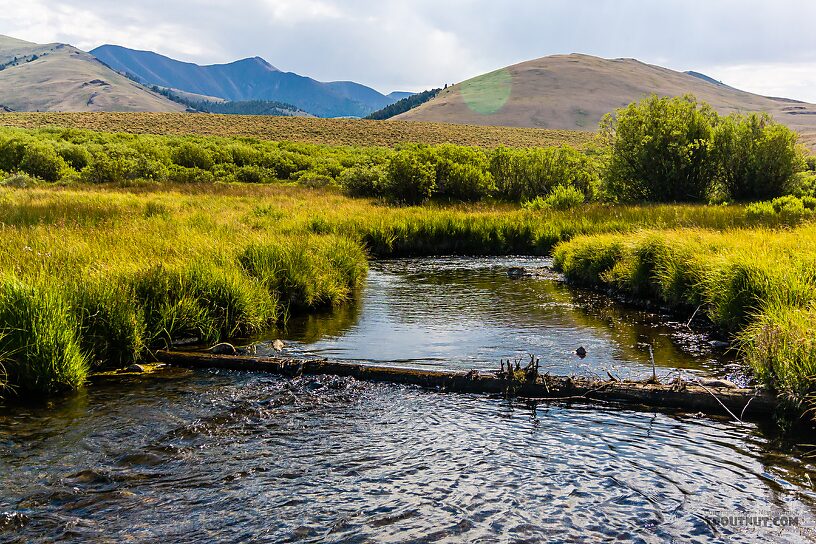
point(247, 79)
point(59, 77)
point(576, 91)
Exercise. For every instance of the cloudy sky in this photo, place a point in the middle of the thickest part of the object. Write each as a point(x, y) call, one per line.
point(768, 47)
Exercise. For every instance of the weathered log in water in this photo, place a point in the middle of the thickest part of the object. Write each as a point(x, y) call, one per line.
point(749, 404)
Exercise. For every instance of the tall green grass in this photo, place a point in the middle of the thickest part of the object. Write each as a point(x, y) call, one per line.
point(42, 352)
point(758, 285)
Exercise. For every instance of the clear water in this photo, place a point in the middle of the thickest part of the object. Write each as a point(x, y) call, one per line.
point(229, 456)
point(468, 313)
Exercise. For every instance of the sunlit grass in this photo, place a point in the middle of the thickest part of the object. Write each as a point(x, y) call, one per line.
point(759, 285)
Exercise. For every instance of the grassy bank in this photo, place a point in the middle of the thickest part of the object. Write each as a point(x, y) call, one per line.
point(95, 279)
point(94, 276)
point(758, 285)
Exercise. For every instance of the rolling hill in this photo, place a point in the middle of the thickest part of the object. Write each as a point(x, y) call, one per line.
point(245, 80)
point(59, 77)
point(576, 91)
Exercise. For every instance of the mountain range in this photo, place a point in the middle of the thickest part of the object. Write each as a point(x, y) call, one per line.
point(558, 92)
point(247, 79)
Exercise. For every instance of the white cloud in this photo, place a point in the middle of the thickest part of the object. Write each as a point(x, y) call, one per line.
point(789, 80)
point(414, 44)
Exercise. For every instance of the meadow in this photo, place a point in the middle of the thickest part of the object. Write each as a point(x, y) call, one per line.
point(95, 276)
point(119, 243)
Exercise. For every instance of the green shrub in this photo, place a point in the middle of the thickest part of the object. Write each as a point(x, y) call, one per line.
point(190, 155)
point(759, 210)
point(462, 172)
point(111, 163)
point(41, 161)
point(410, 177)
point(788, 204)
point(362, 180)
point(285, 163)
point(804, 184)
point(18, 181)
point(11, 152)
point(255, 174)
point(314, 180)
point(756, 158)
point(244, 155)
point(561, 198)
point(181, 174)
point(76, 156)
point(524, 174)
point(661, 150)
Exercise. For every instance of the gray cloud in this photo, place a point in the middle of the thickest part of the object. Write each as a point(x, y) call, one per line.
point(761, 46)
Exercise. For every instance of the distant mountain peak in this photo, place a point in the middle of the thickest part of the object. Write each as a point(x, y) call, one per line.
point(248, 79)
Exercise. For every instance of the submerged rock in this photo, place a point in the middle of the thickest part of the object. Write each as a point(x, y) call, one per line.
point(719, 344)
point(223, 349)
point(136, 368)
point(516, 272)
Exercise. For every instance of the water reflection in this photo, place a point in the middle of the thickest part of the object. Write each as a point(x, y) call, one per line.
point(467, 313)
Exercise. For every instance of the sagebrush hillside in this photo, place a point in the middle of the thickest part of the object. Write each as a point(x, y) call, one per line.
point(576, 91)
point(59, 77)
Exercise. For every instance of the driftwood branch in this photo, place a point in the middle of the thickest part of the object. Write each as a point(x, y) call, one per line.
point(690, 397)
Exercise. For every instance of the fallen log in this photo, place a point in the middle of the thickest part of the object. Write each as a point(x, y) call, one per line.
point(745, 404)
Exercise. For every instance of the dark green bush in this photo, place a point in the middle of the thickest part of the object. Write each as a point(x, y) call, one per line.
point(362, 180)
point(244, 155)
point(524, 174)
point(111, 163)
point(561, 198)
point(410, 177)
point(255, 174)
point(180, 174)
point(661, 150)
point(76, 156)
point(11, 153)
point(41, 160)
point(756, 157)
point(191, 155)
point(315, 180)
point(284, 163)
point(462, 173)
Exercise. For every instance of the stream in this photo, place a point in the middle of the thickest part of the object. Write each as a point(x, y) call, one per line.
point(184, 456)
